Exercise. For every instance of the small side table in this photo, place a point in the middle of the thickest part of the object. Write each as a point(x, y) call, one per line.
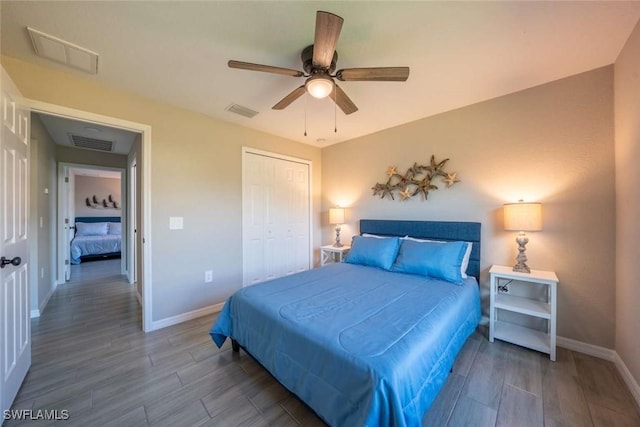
point(330, 254)
point(516, 334)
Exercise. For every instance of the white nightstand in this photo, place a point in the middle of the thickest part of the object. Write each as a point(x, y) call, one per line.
point(516, 334)
point(330, 253)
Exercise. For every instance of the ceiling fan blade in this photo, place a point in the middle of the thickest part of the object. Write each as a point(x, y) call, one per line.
point(284, 103)
point(383, 74)
point(328, 28)
point(344, 102)
point(264, 68)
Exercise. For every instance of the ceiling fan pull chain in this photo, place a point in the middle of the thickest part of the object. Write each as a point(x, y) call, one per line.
point(306, 101)
point(335, 109)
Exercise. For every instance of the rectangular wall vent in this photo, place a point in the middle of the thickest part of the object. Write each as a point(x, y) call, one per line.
point(91, 143)
point(243, 111)
point(62, 51)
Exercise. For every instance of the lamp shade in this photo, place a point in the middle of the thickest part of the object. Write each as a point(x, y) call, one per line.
point(523, 216)
point(336, 216)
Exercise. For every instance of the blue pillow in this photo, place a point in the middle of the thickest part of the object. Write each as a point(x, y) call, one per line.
point(115, 228)
point(373, 251)
point(432, 259)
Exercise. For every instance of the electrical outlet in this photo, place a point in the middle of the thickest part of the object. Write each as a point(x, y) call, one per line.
point(208, 276)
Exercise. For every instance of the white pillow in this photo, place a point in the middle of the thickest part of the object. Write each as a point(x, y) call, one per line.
point(465, 259)
point(91, 228)
point(374, 235)
point(115, 228)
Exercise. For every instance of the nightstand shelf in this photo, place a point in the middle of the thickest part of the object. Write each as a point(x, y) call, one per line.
point(523, 336)
point(330, 254)
point(523, 305)
point(502, 302)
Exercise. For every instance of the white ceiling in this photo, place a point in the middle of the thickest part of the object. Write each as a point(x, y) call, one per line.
point(459, 53)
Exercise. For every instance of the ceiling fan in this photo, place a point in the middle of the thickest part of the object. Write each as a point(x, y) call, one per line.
point(319, 64)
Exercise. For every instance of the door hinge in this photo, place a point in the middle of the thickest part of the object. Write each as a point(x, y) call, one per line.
point(66, 262)
point(66, 220)
point(66, 179)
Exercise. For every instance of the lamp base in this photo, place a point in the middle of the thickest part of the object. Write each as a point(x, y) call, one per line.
point(337, 244)
point(521, 268)
point(521, 265)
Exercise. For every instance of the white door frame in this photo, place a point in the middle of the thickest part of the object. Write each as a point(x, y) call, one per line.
point(132, 215)
point(144, 159)
point(64, 205)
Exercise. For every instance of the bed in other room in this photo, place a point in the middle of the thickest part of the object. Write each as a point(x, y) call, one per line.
point(370, 341)
point(96, 237)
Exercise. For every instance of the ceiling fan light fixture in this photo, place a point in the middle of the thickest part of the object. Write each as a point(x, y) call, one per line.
point(319, 86)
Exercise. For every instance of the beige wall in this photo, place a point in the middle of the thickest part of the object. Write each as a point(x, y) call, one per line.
point(102, 188)
point(43, 205)
point(627, 154)
point(552, 144)
point(195, 173)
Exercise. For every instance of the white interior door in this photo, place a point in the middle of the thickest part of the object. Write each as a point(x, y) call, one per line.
point(276, 216)
point(66, 192)
point(15, 332)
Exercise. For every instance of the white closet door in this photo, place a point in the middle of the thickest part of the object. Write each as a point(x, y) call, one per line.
point(298, 239)
point(276, 217)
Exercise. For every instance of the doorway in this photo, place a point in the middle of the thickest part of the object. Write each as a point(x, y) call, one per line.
point(142, 156)
point(96, 195)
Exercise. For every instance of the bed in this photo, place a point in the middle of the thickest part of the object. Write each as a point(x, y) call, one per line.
point(96, 237)
point(365, 344)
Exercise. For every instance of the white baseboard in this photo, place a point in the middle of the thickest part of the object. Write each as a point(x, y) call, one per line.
point(590, 349)
point(606, 354)
point(174, 320)
point(36, 313)
point(631, 382)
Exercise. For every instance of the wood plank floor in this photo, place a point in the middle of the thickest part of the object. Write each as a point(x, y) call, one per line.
point(91, 358)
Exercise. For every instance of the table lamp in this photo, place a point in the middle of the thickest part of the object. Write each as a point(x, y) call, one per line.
point(336, 217)
point(522, 217)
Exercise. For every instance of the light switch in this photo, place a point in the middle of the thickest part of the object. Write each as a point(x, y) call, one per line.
point(176, 223)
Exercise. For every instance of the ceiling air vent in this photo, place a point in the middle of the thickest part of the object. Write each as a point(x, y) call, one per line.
point(62, 51)
point(243, 111)
point(91, 143)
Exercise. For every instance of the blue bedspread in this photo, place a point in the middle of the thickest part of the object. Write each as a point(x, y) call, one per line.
point(94, 245)
point(360, 345)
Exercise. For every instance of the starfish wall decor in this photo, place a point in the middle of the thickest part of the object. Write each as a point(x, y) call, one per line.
point(416, 180)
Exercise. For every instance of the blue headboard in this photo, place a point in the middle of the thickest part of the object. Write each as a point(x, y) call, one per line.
point(435, 230)
point(97, 219)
